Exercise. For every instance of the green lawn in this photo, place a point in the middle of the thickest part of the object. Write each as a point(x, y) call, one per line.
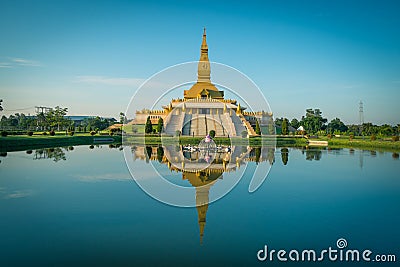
point(365, 143)
point(24, 142)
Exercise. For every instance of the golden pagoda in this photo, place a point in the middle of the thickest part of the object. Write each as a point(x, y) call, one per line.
point(203, 88)
point(203, 108)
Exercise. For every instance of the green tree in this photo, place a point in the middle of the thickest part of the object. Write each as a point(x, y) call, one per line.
point(313, 121)
point(122, 118)
point(212, 133)
point(353, 128)
point(278, 122)
point(56, 117)
point(284, 126)
point(41, 121)
point(148, 128)
point(369, 129)
point(96, 123)
point(258, 129)
point(336, 125)
point(160, 125)
point(295, 123)
point(386, 130)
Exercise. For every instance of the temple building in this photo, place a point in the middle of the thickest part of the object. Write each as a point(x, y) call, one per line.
point(203, 108)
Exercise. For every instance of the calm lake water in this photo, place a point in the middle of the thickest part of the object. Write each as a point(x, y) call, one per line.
point(80, 206)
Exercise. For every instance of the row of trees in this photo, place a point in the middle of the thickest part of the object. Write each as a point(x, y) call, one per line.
point(94, 123)
point(148, 128)
point(314, 123)
point(55, 119)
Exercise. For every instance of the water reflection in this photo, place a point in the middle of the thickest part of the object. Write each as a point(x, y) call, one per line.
point(293, 202)
point(202, 168)
point(285, 155)
point(3, 154)
point(55, 153)
point(203, 174)
point(59, 153)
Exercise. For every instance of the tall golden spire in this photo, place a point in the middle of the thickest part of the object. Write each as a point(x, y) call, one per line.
point(203, 70)
point(204, 46)
point(202, 207)
point(203, 77)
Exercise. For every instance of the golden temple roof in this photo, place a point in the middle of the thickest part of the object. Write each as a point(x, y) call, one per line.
point(203, 88)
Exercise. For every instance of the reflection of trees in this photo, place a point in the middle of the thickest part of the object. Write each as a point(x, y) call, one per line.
point(160, 153)
point(3, 154)
point(395, 155)
point(149, 150)
point(313, 154)
point(285, 155)
point(115, 145)
point(271, 155)
point(55, 153)
point(260, 154)
point(257, 154)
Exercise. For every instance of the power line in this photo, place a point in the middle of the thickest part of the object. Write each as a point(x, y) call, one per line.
point(361, 116)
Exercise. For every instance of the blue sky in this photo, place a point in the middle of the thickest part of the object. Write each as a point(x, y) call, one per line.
point(91, 56)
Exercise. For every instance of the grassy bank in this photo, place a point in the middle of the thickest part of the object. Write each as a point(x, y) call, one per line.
point(19, 143)
point(364, 144)
point(23, 142)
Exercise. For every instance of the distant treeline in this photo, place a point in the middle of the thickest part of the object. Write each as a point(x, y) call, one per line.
point(314, 123)
point(55, 119)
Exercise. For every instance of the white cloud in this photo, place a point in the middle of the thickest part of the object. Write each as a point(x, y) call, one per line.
point(13, 62)
point(25, 62)
point(132, 82)
point(5, 65)
point(18, 194)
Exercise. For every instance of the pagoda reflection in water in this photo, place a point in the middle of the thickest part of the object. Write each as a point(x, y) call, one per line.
point(202, 169)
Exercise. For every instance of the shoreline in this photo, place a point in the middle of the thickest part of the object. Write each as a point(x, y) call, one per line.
point(20, 143)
